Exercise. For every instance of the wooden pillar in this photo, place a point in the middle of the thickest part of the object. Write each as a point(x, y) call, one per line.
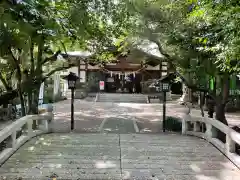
point(79, 62)
point(86, 71)
point(160, 69)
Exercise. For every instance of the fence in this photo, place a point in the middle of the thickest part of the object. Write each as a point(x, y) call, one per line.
point(208, 128)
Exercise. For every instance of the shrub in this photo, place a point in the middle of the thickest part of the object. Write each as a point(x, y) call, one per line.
point(173, 124)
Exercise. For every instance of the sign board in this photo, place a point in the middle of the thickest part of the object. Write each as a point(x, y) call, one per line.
point(101, 85)
point(41, 93)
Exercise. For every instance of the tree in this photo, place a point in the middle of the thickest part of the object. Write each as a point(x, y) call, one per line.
point(33, 34)
point(189, 35)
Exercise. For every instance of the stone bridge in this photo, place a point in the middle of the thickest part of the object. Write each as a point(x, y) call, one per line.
point(117, 141)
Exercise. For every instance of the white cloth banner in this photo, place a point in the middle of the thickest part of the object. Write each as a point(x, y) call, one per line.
point(65, 88)
point(56, 84)
point(41, 93)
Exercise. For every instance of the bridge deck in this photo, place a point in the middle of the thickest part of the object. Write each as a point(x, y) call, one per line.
point(118, 156)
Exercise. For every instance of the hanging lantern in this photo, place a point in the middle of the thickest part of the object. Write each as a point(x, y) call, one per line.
point(111, 73)
point(119, 76)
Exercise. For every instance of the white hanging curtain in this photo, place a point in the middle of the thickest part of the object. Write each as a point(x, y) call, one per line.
point(41, 94)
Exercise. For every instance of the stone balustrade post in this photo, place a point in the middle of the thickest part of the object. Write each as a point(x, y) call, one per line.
point(196, 127)
point(211, 132)
point(13, 139)
point(29, 125)
point(230, 144)
point(184, 123)
point(185, 120)
point(48, 123)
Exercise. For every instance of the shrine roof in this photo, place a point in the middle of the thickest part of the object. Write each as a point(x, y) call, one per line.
point(145, 53)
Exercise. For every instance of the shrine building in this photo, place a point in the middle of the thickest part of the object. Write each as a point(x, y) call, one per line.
point(125, 73)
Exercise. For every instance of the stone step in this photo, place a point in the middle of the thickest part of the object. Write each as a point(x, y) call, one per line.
point(134, 98)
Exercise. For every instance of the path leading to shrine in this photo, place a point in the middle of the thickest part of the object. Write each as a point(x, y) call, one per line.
point(120, 141)
point(111, 117)
point(118, 156)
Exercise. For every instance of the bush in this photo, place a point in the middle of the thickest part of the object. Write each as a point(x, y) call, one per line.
point(173, 124)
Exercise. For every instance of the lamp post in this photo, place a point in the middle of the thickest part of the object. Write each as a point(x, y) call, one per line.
point(72, 79)
point(164, 87)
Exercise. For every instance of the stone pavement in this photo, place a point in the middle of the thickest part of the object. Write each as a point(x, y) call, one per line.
point(118, 156)
point(106, 145)
point(107, 116)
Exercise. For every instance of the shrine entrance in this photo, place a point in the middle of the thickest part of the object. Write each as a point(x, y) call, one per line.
point(123, 82)
point(123, 77)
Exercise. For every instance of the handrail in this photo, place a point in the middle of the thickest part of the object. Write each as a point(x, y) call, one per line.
point(43, 121)
point(212, 125)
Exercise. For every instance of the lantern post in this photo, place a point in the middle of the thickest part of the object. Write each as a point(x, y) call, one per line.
point(72, 79)
point(164, 87)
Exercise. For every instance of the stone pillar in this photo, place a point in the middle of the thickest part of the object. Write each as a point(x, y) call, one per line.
point(56, 86)
point(168, 96)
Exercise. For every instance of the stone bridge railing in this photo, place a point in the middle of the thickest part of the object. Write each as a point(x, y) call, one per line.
point(19, 132)
point(207, 129)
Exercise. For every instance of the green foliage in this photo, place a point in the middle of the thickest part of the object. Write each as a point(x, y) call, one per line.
point(198, 39)
point(220, 20)
point(34, 33)
point(173, 124)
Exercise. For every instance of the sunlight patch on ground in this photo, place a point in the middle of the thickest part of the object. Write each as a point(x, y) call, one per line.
point(131, 105)
point(229, 174)
point(32, 148)
point(110, 129)
point(225, 174)
point(156, 120)
point(146, 130)
point(126, 175)
point(65, 137)
point(84, 113)
point(61, 114)
point(46, 144)
point(105, 165)
point(145, 114)
point(203, 177)
point(195, 168)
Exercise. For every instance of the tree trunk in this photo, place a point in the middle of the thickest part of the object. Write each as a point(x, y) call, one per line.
point(202, 102)
point(29, 102)
point(223, 100)
point(220, 113)
point(33, 104)
point(22, 102)
point(221, 104)
point(33, 96)
point(220, 116)
point(35, 101)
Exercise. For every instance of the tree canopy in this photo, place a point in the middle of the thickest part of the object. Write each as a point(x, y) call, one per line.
point(197, 38)
point(34, 33)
